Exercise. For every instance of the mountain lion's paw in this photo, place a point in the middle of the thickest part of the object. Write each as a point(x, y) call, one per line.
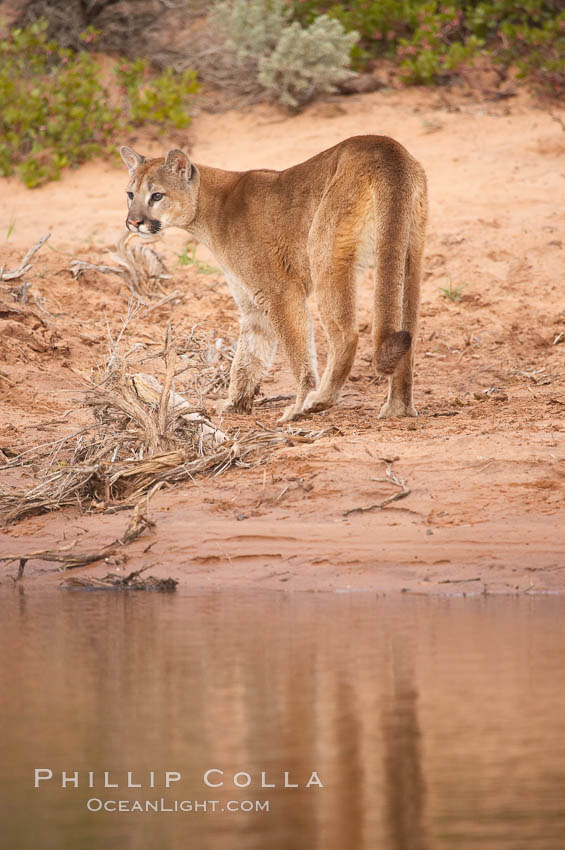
point(315, 402)
point(241, 406)
point(290, 414)
point(395, 409)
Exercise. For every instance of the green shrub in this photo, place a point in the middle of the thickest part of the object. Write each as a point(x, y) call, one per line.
point(537, 49)
point(52, 113)
point(379, 24)
point(431, 40)
point(291, 62)
point(56, 112)
point(161, 100)
point(439, 45)
point(529, 35)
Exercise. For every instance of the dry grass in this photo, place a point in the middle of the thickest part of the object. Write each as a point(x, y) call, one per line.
point(144, 435)
point(139, 265)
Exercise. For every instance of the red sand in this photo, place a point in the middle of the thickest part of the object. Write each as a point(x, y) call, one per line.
point(486, 511)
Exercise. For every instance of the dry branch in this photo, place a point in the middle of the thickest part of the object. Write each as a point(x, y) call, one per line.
point(150, 391)
point(139, 265)
point(170, 356)
point(394, 479)
point(66, 559)
point(111, 581)
point(138, 523)
point(273, 400)
point(458, 580)
point(145, 435)
point(26, 263)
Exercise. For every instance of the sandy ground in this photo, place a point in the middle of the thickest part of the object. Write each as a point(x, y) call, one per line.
point(485, 459)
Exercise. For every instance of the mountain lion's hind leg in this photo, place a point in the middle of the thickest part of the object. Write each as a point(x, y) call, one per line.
point(332, 249)
point(294, 328)
point(335, 288)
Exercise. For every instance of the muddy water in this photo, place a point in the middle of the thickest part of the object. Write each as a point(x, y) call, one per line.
point(431, 723)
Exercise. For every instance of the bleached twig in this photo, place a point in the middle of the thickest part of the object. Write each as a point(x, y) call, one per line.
point(137, 263)
point(394, 479)
point(26, 263)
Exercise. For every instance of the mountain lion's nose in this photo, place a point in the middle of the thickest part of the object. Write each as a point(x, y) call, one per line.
point(135, 222)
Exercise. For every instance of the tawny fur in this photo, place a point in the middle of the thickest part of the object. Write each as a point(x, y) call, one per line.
point(281, 235)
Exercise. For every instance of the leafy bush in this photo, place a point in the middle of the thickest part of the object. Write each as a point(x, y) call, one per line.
point(52, 115)
point(439, 45)
point(56, 112)
point(379, 24)
point(161, 100)
point(432, 39)
point(530, 35)
point(537, 48)
point(292, 63)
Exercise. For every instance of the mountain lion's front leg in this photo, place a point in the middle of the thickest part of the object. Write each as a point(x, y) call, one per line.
point(255, 351)
point(254, 355)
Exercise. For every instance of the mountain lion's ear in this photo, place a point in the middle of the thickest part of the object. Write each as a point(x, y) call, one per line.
point(131, 158)
point(178, 162)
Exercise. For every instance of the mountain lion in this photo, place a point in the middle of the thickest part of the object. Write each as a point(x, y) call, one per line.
point(278, 236)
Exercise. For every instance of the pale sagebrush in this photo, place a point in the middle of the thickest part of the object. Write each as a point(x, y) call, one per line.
point(250, 28)
point(307, 62)
point(292, 64)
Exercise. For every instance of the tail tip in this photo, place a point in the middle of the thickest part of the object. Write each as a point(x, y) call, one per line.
point(391, 351)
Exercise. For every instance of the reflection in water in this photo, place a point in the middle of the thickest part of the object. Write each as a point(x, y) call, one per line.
point(432, 723)
point(404, 778)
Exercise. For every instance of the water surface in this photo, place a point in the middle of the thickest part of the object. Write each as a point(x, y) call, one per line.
point(432, 723)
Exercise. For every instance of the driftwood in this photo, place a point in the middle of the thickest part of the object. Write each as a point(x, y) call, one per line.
point(111, 581)
point(138, 523)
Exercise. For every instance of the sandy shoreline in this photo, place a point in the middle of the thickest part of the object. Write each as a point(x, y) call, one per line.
point(485, 459)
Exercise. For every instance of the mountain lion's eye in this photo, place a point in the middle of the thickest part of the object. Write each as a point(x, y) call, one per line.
point(156, 196)
point(130, 196)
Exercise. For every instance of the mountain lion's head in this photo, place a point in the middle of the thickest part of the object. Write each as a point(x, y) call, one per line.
point(161, 192)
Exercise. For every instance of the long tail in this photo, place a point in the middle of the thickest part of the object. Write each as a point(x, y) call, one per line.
point(391, 342)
